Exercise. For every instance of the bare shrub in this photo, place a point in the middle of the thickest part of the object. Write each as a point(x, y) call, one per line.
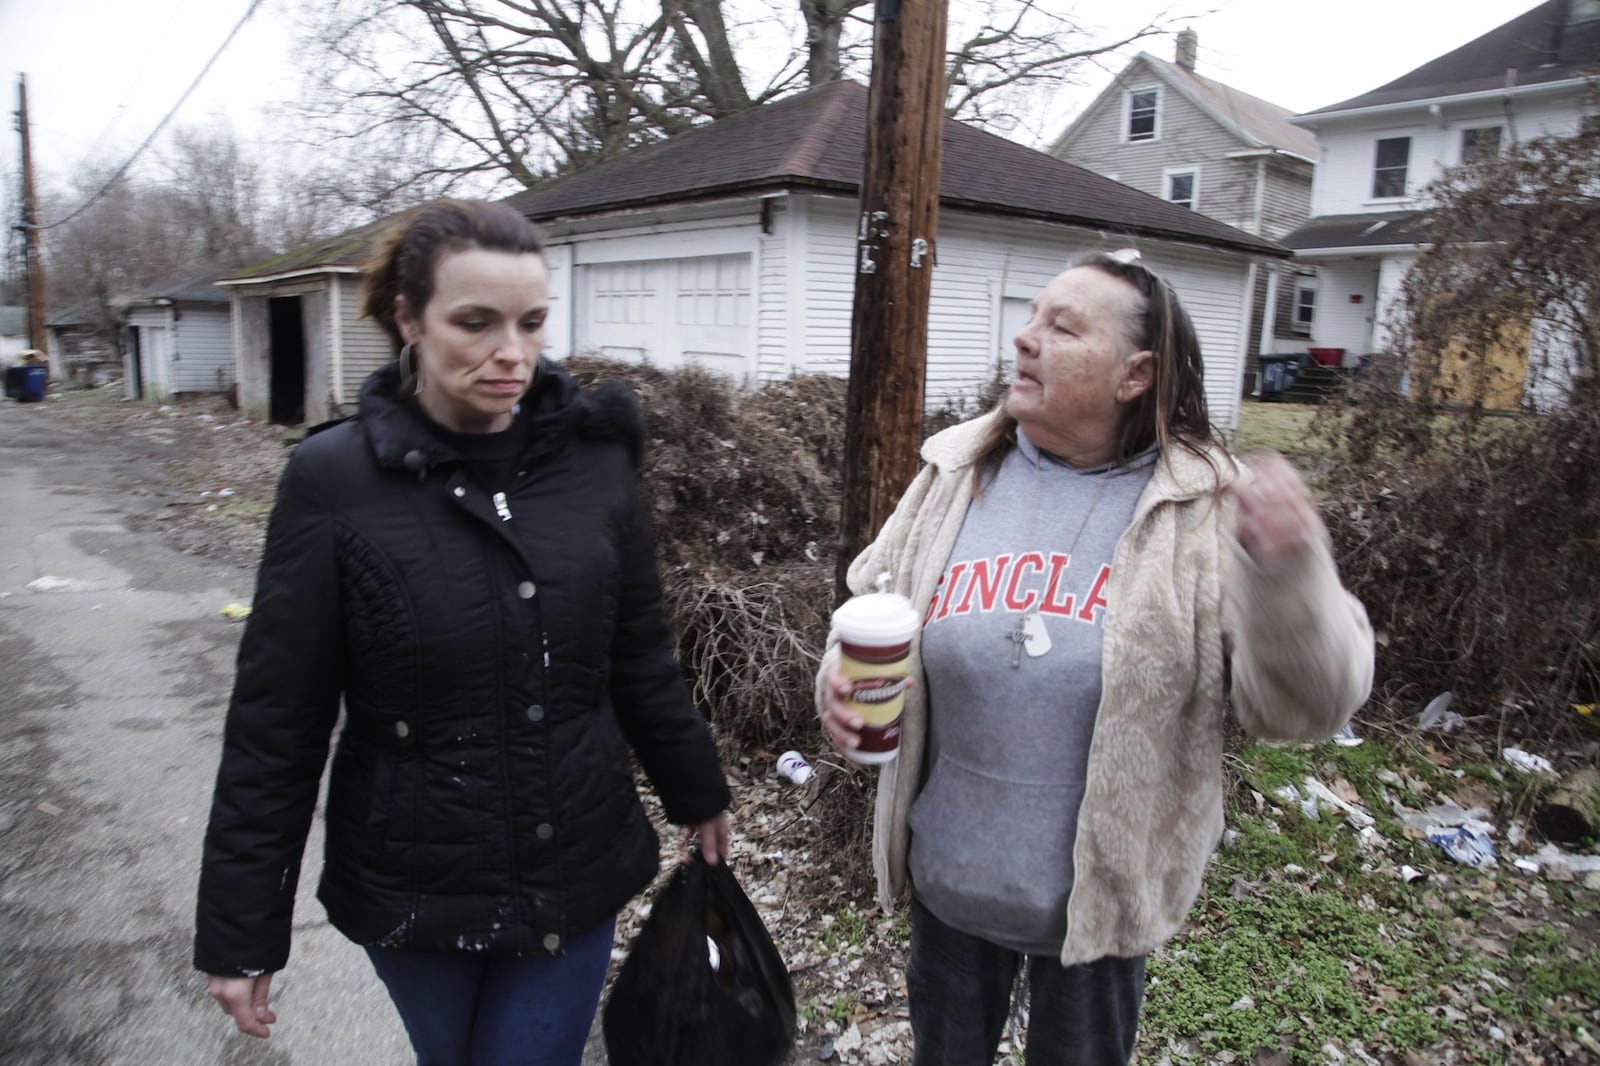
point(1474, 547)
point(744, 489)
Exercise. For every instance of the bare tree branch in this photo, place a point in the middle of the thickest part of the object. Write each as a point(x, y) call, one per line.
point(513, 92)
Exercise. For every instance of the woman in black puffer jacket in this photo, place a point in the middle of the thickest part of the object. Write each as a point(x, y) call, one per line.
point(468, 565)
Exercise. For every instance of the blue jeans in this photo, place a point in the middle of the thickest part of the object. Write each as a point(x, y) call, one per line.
point(464, 1009)
point(960, 988)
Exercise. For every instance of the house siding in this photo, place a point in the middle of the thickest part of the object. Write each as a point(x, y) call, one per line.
point(363, 346)
point(829, 280)
point(772, 293)
point(1286, 199)
point(981, 263)
point(1343, 183)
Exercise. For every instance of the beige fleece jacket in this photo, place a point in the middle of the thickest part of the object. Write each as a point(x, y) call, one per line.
point(1183, 597)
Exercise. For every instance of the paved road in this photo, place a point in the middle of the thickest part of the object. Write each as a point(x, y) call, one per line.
point(112, 689)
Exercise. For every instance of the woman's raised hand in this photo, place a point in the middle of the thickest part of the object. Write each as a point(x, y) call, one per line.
point(1277, 518)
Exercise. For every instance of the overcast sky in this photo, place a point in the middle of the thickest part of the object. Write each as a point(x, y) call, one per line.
point(101, 73)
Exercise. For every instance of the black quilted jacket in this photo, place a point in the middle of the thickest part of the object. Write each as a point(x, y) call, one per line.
point(494, 672)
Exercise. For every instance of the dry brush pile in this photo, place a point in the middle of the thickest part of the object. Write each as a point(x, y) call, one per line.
point(744, 493)
point(1475, 544)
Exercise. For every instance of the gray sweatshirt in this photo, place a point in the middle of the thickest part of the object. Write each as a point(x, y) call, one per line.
point(1011, 654)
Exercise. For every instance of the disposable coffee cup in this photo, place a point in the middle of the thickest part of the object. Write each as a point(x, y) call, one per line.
point(875, 632)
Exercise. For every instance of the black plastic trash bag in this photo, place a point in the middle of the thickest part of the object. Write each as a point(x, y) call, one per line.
point(671, 1006)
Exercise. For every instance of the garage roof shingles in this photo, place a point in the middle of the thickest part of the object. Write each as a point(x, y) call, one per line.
point(817, 139)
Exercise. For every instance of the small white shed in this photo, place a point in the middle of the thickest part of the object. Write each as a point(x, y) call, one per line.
point(179, 339)
point(302, 347)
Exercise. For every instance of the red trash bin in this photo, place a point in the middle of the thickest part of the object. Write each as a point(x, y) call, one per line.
point(1327, 356)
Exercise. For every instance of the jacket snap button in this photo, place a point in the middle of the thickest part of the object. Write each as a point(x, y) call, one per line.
point(552, 943)
point(459, 491)
point(536, 713)
point(525, 590)
point(545, 830)
point(402, 730)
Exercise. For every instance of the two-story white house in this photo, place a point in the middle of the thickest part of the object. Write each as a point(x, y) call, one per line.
point(1379, 152)
point(1167, 130)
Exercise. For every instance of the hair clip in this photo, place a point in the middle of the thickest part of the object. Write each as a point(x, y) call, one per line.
point(1126, 256)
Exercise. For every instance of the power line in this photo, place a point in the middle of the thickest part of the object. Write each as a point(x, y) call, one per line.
point(137, 152)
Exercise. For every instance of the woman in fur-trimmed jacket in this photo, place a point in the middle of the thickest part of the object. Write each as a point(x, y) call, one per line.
point(468, 566)
point(1092, 568)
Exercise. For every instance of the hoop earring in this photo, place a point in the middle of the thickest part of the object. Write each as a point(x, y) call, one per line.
point(408, 367)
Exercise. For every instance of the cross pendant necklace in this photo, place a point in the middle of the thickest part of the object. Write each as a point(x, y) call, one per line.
point(1018, 637)
point(1021, 634)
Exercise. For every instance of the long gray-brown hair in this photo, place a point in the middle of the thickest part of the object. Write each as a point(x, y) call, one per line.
point(1172, 411)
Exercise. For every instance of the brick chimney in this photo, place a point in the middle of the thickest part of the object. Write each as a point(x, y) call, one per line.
point(1188, 46)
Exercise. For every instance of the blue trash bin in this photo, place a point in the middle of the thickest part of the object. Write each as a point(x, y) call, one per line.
point(34, 380)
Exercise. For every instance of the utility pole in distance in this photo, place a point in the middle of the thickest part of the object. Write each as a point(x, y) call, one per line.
point(895, 253)
point(33, 262)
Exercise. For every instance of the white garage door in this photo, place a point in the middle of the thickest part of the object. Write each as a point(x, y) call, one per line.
point(670, 312)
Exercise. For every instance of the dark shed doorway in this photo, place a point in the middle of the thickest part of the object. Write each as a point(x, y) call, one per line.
point(135, 364)
point(286, 403)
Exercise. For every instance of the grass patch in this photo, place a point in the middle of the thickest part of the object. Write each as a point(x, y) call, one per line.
point(1549, 979)
point(1301, 936)
point(1283, 428)
point(841, 931)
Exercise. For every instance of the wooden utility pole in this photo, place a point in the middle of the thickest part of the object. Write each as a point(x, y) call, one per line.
point(895, 253)
point(33, 263)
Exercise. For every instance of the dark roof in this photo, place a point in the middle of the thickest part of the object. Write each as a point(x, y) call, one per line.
point(198, 288)
point(1541, 46)
point(1250, 117)
point(817, 140)
point(1361, 231)
point(81, 314)
point(347, 249)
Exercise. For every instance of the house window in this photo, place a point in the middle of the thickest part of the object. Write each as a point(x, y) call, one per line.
point(1183, 187)
point(1389, 174)
point(1305, 305)
point(1480, 143)
point(1143, 106)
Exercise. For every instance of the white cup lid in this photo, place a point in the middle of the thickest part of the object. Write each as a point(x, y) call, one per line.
point(876, 618)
